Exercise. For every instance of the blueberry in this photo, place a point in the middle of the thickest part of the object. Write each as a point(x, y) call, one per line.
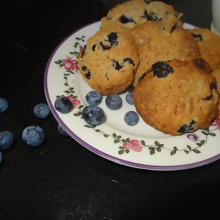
point(41, 110)
point(6, 140)
point(131, 118)
point(113, 101)
point(129, 98)
point(33, 135)
point(93, 98)
point(161, 69)
point(63, 105)
point(93, 115)
point(61, 130)
point(3, 105)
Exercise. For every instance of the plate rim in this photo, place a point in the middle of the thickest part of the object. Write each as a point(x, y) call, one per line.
point(97, 151)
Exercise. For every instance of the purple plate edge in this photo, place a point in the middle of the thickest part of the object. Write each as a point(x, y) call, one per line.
point(100, 153)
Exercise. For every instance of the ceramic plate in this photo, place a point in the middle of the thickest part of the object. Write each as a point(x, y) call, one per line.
point(139, 146)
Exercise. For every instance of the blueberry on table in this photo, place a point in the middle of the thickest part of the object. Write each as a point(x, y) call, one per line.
point(41, 110)
point(131, 118)
point(63, 105)
point(94, 98)
point(33, 135)
point(61, 130)
point(6, 140)
point(113, 101)
point(3, 105)
point(93, 115)
point(129, 98)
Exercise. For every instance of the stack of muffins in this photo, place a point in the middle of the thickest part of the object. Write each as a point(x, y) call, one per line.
point(173, 70)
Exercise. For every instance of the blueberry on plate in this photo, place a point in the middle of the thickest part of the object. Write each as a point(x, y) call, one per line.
point(131, 118)
point(113, 101)
point(3, 104)
point(93, 115)
point(33, 135)
point(61, 130)
point(41, 110)
point(6, 140)
point(94, 97)
point(63, 105)
point(129, 98)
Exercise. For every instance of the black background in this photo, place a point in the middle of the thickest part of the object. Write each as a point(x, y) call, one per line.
point(61, 179)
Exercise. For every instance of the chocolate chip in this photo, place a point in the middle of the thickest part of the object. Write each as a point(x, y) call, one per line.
point(116, 65)
point(186, 127)
point(124, 20)
point(151, 16)
point(161, 69)
point(207, 98)
point(112, 38)
point(198, 37)
point(93, 47)
point(88, 75)
point(129, 60)
point(104, 47)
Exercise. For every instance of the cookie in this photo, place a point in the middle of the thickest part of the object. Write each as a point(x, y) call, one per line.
point(216, 74)
point(177, 97)
point(109, 61)
point(155, 44)
point(209, 45)
point(130, 13)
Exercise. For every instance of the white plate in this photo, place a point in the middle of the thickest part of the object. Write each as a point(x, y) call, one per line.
point(139, 146)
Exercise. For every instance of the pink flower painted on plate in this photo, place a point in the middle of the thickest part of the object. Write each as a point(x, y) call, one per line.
point(193, 137)
point(74, 101)
point(69, 64)
point(134, 145)
point(216, 123)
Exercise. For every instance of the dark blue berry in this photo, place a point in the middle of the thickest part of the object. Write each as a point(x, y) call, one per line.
point(94, 98)
point(131, 118)
point(3, 105)
point(61, 131)
point(116, 65)
point(41, 110)
point(161, 69)
point(93, 115)
point(198, 37)
point(187, 127)
point(124, 20)
point(112, 38)
point(63, 105)
point(33, 135)
point(128, 60)
point(6, 140)
point(113, 101)
point(129, 98)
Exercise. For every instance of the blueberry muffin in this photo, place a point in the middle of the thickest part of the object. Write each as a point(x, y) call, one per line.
point(216, 74)
point(130, 13)
point(177, 97)
point(155, 44)
point(109, 61)
point(209, 45)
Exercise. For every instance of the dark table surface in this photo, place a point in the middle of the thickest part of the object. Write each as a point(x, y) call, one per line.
point(61, 179)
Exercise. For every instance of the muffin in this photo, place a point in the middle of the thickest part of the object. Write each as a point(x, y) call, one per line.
point(109, 61)
point(177, 97)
